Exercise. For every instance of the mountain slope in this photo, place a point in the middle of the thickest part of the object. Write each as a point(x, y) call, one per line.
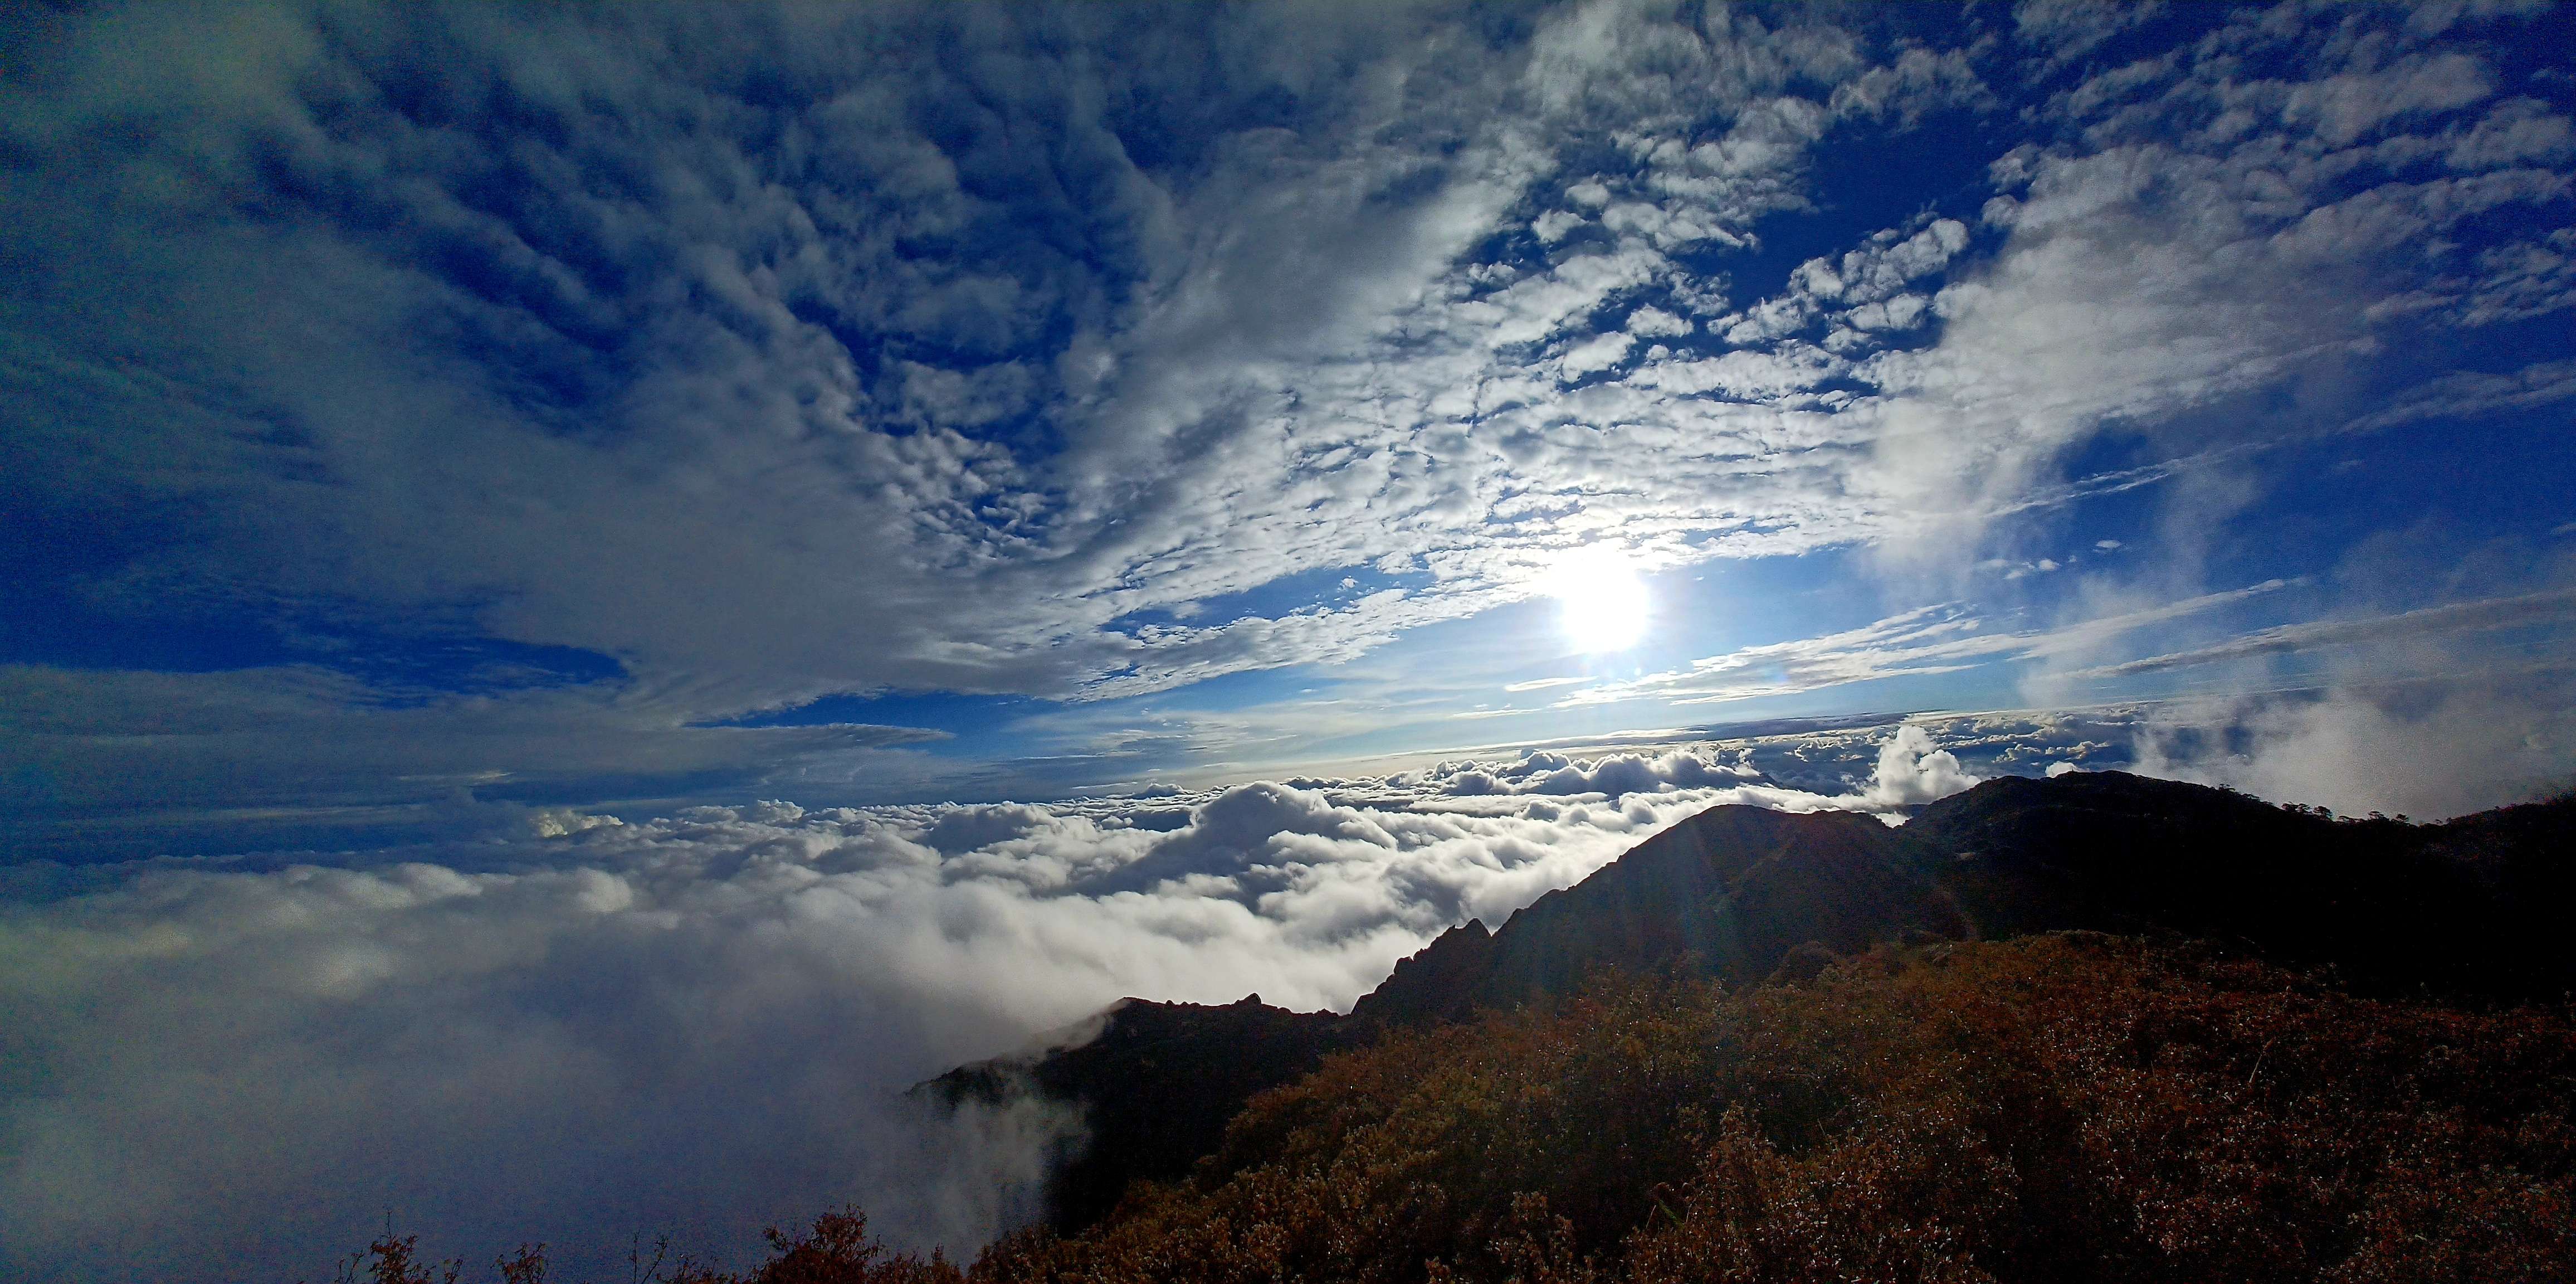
point(1732, 890)
point(1156, 1086)
point(2063, 1107)
point(2466, 910)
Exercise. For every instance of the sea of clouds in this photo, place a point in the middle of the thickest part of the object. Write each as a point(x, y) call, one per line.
point(700, 1023)
point(616, 414)
point(588, 1030)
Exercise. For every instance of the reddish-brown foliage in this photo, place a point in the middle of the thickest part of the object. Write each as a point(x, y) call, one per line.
point(2058, 1108)
point(837, 1249)
point(394, 1259)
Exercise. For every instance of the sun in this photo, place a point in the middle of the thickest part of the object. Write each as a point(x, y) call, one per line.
point(1601, 600)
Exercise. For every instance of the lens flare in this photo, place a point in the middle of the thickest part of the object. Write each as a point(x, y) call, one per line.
point(1601, 600)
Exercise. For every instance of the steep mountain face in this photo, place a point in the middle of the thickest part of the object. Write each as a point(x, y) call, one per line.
point(2470, 909)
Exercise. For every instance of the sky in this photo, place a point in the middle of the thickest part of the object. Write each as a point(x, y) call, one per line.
point(560, 559)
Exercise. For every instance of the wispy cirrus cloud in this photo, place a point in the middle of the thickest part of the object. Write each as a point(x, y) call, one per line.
point(2554, 607)
point(1924, 641)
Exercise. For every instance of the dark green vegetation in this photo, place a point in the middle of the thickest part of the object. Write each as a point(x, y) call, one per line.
point(2093, 1028)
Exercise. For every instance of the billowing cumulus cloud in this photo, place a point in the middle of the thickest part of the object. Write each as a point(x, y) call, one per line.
point(2428, 753)
point(1614, 775)
point(1911, 770)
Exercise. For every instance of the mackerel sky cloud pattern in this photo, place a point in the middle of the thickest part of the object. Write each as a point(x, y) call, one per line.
point(725, 525)
point(483, 381)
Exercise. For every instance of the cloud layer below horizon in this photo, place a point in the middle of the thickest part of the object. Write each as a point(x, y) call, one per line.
point(702, 1023)
point(452, 456)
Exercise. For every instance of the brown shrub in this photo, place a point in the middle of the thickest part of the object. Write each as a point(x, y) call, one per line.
point(837, 1249)
point(2058, 1108)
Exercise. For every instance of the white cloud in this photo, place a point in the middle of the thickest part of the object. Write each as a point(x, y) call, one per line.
point(2456, 396)
point(1911, 770)
point(699, 1023)
point(1600, 352)
point(1652, 322)
point(785, 355)
point(1552, 226)
point(2066, 30)
point(2548, 607)
point(2171, 263)
point(2427, 750)
point(719, 341)
point(1927, 640)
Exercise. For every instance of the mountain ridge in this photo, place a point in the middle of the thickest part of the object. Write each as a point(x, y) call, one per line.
point(1744, 894)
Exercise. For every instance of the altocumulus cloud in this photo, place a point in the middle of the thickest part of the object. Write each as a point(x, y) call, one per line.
point(1027, 342)
point(702, 1022)
point(442, 404)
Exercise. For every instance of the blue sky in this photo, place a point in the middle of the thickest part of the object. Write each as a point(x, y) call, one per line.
point(609, 586)
point(414, 408)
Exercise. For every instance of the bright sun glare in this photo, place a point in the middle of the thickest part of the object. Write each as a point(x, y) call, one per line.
point(1601, 600)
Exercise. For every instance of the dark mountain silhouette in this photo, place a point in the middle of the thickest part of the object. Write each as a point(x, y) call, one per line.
point(2465, 911)
point(1731, 890)
point(1156, 1087)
